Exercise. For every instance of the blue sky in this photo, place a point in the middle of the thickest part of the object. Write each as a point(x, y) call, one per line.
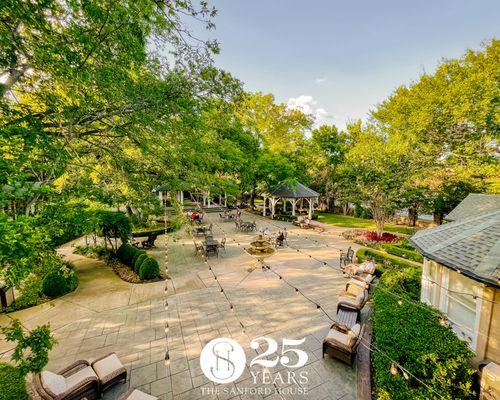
point(338, 59)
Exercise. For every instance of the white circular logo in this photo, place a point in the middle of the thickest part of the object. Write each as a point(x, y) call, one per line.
point(222, 360)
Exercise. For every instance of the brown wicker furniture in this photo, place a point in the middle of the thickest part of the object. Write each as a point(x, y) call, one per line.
point(109, 370)
point(135, 394)
point(342, 343)
point(353, 302)
point(71, 383)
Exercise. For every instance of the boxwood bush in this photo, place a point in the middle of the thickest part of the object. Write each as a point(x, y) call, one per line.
point(138, 262)
point(126, 253)
point(384, 260)
point(149, 269)
point(138, 253)
point(411, 335)
point(404, 253)
point(12, 383)
point(56, 283)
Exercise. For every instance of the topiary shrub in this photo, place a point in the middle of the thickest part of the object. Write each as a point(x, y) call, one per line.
point(12, 383)
point(149, 269)
point(57, 283)
point(411, 334)
point(127, 254)
point(139, 261)
point(137, 254)
point(384, 260)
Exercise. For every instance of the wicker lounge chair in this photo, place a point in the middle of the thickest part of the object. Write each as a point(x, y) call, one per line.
point(342, 343)
point(353, 302)
point(109, 370)
point(135, 394)
point(81, 379)
point(77, 381)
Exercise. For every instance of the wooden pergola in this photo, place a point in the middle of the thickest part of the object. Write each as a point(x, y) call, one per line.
point(292, 193)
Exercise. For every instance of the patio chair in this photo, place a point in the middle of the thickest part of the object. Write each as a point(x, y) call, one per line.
point(77, 381)
point(136, 394)
point(198, 248)
point(346, 256)
point(238, 224)
point(222, 244)
point(365, 268)
point(353, 302)
point(353, 288)
point(342, 343)
point(109, 370)
point(149, 243)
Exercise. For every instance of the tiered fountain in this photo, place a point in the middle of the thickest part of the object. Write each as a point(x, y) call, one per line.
point(260, 248)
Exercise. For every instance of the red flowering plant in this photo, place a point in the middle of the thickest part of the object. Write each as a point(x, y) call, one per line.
point(386, 237)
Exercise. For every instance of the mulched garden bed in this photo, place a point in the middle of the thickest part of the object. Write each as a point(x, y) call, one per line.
point(127, 274)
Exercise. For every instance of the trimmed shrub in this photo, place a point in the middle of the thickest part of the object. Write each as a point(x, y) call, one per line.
point(12, 383)
point(149, 269)
point(404, 253)
point(138, 262)
point(137, 254)
point(384, 260)
point(56, 284)
point(127, 254)
point(412, 335)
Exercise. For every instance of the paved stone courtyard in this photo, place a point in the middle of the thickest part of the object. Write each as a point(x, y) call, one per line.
point(106, 314)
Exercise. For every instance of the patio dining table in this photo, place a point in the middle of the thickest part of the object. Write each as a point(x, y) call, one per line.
point(210, 245)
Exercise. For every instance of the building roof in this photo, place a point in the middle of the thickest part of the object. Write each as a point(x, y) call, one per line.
point(292, 191)
point(474, 204)
point(471, 245)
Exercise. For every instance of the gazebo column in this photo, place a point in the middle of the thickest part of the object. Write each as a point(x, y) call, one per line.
point(181, 193)
point(294, 205)
point(284, 206)
point(274, 201)
point(208, 200)
point(225, 199)
point(264, 208)
point(160, 196)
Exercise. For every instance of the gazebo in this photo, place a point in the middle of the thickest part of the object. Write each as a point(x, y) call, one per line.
point(291, 193)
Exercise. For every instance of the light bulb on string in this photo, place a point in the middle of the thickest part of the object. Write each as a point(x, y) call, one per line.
point(394, 369)
point(318, 307)
point(442, 321)
point(296, 290)
point(405, 374)
point(167, 358)
point(400, 302)
point(232, 308)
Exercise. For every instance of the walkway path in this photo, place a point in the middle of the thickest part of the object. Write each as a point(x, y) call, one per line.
point(106, 314)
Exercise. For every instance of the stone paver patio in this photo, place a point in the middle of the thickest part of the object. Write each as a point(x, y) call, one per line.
point(106, 314)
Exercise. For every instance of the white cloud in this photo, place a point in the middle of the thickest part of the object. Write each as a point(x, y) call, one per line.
point(308, 105)
point(319, 81)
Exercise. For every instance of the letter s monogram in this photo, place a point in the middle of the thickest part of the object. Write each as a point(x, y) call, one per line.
point(230, 367)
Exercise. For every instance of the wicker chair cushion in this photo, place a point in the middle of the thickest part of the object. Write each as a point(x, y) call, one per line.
point(138, 395)
point(53, 382)
point(353, 289)
point(78, 377)
point(335, 335)
point(107, 367)
point(353, 334)
point(350, 301)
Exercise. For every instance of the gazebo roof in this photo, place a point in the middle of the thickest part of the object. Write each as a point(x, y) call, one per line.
point(292, 191)
point(471, 245)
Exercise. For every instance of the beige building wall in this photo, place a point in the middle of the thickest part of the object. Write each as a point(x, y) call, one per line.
point(484, 340)
point(493, 345)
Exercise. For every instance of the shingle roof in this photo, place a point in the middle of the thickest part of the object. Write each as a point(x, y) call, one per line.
point(471, 245)
point(474, 204)
point(292, 191)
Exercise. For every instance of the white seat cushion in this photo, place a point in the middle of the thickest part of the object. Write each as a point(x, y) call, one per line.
point(80, 376)
point(338, 336)
point(351, 301)
point(353, 334)
point(107, 366)
point(53, 382)
point(138, 395)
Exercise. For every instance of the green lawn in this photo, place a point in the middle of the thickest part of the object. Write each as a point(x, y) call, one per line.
point(353, 222)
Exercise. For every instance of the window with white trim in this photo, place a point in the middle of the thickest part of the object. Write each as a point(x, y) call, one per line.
point(429, 289)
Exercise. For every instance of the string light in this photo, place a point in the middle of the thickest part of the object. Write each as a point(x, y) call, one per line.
point(394, 369)
point(400, 302)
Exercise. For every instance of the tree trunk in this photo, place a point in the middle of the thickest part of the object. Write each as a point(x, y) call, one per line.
point(252, 198)
point(438, 217)
point(412, 215)
point(379, 216)
point(346, 208)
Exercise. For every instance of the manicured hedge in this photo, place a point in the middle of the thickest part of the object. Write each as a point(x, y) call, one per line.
point(12, 383)
point(138, 260)
point(412, 335)
point(404, 253)
point(384, 260)
point(137, 254)
point(55, 284)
